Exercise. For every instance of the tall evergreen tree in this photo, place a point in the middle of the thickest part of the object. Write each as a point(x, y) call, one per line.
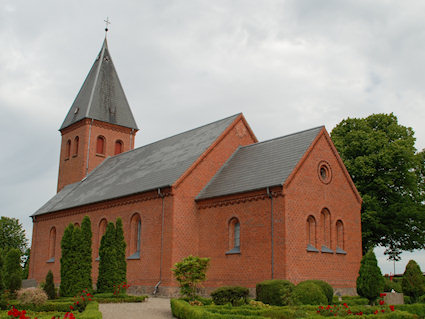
point(1, 272)
point(67, 262)
point(49, 286)
point(86, 253)
point(120, 251)
point(413, 283)
point(370, 282)
point(13, 270)
point(108, 264)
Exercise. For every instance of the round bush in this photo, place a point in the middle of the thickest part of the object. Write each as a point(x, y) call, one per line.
point(235, 295)
point(326, 288)
point(35, 296)
point(308, 293)
point(274, 292)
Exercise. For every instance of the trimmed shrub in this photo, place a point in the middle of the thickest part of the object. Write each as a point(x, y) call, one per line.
point(49, 286)
point(370, 282)
point(407, 300)
point(326, 288)
point(36, 296)
point(413, 282)
point(107, 263)
point(190, 272)
point(274, 292)
point(68, 263)
point(421, 299)
point(13, 270)
point(308, 293)
point(234, 294)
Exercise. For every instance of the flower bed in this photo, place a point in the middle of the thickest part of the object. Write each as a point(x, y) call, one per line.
point(183, 310)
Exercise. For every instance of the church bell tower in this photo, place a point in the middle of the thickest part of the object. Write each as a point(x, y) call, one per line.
point(99, 123)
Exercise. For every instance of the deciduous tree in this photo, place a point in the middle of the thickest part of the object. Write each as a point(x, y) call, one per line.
point(12, 235)
point(381, 158)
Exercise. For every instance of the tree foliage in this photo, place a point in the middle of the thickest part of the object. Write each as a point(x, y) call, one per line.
point(370, 282)
point(12, 235)
point(76, 260)
point(190, 272)
point(381, 158)
point(413, 283)
point(86, 254)
point(49, 286)
point(112, 263)
point(13, 270)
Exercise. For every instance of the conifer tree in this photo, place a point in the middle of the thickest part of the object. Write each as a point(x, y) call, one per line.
point(13, 270)
point(86, 253)
point(413, 283)
point(78, 268)
point(108, 264)
point(1, 272)
point(370, 282)
point(121, 274)
point(67, 262)
point(49, 286)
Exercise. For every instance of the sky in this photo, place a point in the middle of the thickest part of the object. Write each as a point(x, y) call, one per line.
point(286, 65)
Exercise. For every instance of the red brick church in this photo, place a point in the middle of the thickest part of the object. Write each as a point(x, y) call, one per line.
point(285, 208)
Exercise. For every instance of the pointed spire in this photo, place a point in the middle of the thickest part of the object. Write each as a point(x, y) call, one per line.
point(101, 97)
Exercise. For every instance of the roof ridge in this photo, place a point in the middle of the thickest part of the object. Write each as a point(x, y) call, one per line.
point(169, 137)
point(280, 137)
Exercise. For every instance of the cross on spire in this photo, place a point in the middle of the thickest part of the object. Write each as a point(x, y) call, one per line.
point(107, 23)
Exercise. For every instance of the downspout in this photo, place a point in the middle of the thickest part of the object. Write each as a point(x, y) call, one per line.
point(88, 147)
point(162, 243)
point(272, 226)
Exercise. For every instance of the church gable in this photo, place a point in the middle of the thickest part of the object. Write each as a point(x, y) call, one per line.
point(260, 165)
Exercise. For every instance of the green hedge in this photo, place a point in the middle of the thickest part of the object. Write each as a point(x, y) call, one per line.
point(233, 294)
point(274, 292)
point(62, 306)
point(111, 298)
point(91, 312)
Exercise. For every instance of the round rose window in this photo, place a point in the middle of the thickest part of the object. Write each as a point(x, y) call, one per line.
point(325, 173)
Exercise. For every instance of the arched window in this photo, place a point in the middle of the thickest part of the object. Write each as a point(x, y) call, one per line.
point(118, 147)
point(76, 142)
point(135, 236)
point(68, 149)
point(100, 145)
point(340, 237)
point(326, 231)
point(311, 234)
point(52, 245)
point(234, 236)
point(102, 230)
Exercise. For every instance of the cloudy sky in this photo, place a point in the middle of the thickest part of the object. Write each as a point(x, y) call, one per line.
point(287, 65)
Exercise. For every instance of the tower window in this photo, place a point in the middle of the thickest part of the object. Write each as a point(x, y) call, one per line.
point(234, 236)
point(118, 147)
point(68, 149)
point(100, 145)
point(76, 142)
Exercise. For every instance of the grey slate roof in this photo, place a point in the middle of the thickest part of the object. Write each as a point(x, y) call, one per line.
point(146, 168)
point(260, 165)
point(101, 97)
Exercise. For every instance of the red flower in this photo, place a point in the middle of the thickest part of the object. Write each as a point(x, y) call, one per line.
point(71, 307)
point(383, 310)
point(381, 302)
point(345, 305)
point(392, 308)
point(375, 312)
point(382, 295)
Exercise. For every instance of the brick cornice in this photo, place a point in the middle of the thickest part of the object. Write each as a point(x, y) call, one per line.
point(122, 201)
point(237, 199)
point(97, 123)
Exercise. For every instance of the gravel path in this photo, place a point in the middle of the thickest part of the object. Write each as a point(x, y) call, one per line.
point(153, 308)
